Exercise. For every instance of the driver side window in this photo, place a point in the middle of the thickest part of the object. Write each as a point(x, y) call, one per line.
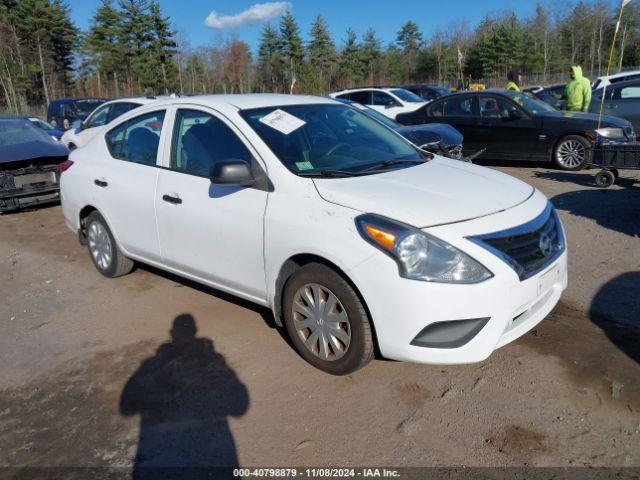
point(200, 140)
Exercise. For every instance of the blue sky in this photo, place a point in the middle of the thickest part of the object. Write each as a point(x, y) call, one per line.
point(385, 16)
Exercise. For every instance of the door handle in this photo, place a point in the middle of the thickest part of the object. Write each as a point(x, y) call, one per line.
point(175, 200)
point(100, 182)
point(612, 106)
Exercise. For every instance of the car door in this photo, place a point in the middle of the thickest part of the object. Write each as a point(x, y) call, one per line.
point(212, 232)
point(625, 104)
point(386, 104)
point(508, 131)
point(125, 182)
point(461, 112)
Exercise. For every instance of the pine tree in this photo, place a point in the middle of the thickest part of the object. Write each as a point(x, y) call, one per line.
point(321, 52)
point(292, 50)
point(161, 51)
point(409, 40)
point(351, 66)
point(371, 54)
point(270, 59)
point(105, 44)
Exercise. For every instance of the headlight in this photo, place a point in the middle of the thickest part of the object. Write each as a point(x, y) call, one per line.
point(420, 256)
point(610, 132)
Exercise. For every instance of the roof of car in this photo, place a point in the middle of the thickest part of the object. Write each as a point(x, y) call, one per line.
point(139, 100)
point(359, 89)
point(620, 74)
point(250, 100)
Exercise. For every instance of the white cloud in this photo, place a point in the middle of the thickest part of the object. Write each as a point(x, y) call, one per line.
point(260, 12)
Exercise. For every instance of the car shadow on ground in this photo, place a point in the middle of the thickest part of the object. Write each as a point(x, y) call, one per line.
point(617, 209)
point(184, 394)
point(621, 295)
point(582, 179)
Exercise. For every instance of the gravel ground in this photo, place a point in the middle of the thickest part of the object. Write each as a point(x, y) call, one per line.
point(98, 372)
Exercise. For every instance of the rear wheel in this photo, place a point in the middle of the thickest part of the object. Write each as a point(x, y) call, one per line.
point(326, 320)
point(103, 249)
point(572, 152)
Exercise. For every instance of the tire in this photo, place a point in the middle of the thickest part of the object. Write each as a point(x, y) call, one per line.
point(350, 345)
point(572, 153)
point(605, 178)
point(103, 249)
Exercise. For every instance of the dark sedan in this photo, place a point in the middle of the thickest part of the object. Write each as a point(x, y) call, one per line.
point(441, 139)
point(30, 162)
point(517, 126)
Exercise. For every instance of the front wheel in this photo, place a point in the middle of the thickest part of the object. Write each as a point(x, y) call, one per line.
point(572, 153)
point(326, 320)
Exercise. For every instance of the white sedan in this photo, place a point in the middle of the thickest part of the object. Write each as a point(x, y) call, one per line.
point(388, 101)
point(79, 135)
point(350, 234)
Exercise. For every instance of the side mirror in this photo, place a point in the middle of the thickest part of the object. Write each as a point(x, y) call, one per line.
point(231, 172)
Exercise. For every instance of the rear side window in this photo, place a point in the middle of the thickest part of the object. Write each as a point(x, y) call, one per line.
point(383, 99)
point(137, 140)
point(629, 92)
point(453, 107)
point(363, 98)
point(121, 108)
point(201, 140)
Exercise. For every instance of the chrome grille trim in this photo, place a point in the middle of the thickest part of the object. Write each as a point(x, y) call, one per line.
point(520, 247)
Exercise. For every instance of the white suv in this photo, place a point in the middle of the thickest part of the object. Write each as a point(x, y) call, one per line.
point(388, 101)
point(77, 136)
point(349, 233)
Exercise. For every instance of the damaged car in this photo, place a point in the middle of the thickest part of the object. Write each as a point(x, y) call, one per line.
point(30, 164)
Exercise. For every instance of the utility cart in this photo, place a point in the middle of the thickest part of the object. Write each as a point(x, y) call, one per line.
point(612, 156)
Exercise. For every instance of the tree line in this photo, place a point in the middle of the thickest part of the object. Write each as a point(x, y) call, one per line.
point(132, 48)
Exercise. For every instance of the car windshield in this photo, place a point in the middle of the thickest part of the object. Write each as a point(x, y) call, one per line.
point(316, 139)
point(407, 96)
point(529, 102)
point(15, 132)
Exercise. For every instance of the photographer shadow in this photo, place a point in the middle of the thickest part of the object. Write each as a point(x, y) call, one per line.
point(184, 394)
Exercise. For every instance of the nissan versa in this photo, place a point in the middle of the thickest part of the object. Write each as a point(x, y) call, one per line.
point(351, 235)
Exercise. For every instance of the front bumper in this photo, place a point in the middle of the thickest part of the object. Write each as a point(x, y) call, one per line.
point(402, 308)
point(26, 187)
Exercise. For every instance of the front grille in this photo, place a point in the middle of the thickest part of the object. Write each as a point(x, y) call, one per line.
point(529, 248)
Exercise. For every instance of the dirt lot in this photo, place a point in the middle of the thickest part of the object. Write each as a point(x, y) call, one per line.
point(98, 372)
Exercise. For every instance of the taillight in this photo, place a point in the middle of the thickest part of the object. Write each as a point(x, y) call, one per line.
point(66, 165)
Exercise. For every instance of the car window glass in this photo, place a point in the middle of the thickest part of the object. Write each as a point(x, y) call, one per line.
point(200, 140)
point(384, 99)
point(632, 91)
point(495, 107)
point(121, 108)
point(458, 107)
point(361, 97)
point(99, 117)
point(137, 139)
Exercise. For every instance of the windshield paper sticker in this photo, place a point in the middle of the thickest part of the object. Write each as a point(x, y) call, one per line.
point(282, 121)
point(304, 166)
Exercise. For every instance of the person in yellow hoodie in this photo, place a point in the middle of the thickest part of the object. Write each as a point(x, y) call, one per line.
point(577, 92)
point(515, 79)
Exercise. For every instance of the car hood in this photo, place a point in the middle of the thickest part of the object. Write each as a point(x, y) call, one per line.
point(607, 120)
point(438, 192)
point(31, 150)
point(434, 132)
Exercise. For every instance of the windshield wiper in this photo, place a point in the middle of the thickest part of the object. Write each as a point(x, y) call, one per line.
point(329, 173)
point(389, 163)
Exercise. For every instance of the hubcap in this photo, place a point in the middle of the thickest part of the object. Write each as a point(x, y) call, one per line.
point(99, 245)
point(571, 154)
point(321, 322)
